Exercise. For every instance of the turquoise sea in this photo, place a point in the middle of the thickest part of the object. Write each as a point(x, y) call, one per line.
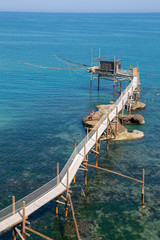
point(41, 113)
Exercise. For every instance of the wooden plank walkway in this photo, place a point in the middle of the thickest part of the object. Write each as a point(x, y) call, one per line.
point(11, 220)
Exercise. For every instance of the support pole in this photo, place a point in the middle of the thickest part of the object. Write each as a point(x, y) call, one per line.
point(91, 73)
point(122, 111)
point(116, 122)
point(113, 87)
point(13, 212)
point(107, 145)
point(74, 179)
point(23, 222)
point(66, 204)
point(73, 214)
point(143, 188)
point(13, 205)
point(14, 233)
point(98, 81)
point(57, 184)
point(120, 87)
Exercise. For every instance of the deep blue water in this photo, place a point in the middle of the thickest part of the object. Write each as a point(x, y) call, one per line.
point(41, 112)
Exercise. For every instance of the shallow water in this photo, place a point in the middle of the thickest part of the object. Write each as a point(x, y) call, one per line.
point(41, 112)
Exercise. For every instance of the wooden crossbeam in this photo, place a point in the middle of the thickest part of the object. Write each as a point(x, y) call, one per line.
point(122, 175)
point(19, 233)
point(73, 214)
point(94, 151)
point(39, 234)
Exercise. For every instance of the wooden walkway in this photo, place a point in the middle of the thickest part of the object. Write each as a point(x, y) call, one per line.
point(8, 219)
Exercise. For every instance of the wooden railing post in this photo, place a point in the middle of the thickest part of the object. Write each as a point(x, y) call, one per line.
point(143, 188)
point(85, 160)
point(13, 212)
point(13, 205)
point(75, 143)
point(57, 184)
point(66, 204)
point(23, 222)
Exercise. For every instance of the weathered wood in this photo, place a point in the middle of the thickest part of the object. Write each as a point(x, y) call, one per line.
point(143, 188)
point(57, 173)
point(23, 221)
point(14, 233)
point(19, 233)
point(73, 214)
point(67, 192)
point(75, 153)
point(13, 205)
point(122, 175)
point(39, 234)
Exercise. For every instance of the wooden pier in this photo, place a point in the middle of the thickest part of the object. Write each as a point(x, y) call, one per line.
point(19, 211)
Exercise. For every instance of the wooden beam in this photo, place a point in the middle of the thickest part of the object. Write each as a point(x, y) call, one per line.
point(73, 214)
point(39, 234)
point(143, 188)
point(19, 233)
point(122, 175)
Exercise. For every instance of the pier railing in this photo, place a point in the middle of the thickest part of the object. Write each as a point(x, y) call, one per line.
point(111, 113)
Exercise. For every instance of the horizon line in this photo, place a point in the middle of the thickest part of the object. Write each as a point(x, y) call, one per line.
point(19, 11)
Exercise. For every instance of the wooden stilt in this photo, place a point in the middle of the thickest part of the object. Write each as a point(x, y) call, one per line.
point(116, 122)
point(98, 82)
point(74, 179)
point(73, 214)
point(120, 87)
point(57, 173)
point(14, 233)
point(66, 204)
point(143, 188)
point(122, 111)
point(96, 139)
point(23, 222)
point(39, 234)
point(99, 145)
point(107, 145)
point(91, 74)
point(113, 88)
point(56, 206)
point(96, 160)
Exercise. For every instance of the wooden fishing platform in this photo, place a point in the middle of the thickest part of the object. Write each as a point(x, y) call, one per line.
point(19, 211)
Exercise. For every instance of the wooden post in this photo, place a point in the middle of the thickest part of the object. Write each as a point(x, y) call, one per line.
point(96, 139)
point(113, 87)
point(143, 188)
point(85, 160)
point(120, 87)
point(74, 179)
point(57, 173)
point(13, 212)
point(66, 205)
point(14, 233)
point(98, 81)
point(107, 145)
point(91, 73)
point(13, 205)
point(122, 110)
point(116, 122)
point(99, 145)
point(23, 222)
point(57, 184)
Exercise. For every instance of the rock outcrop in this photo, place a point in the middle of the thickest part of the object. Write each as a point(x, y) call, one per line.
point(122, 132)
